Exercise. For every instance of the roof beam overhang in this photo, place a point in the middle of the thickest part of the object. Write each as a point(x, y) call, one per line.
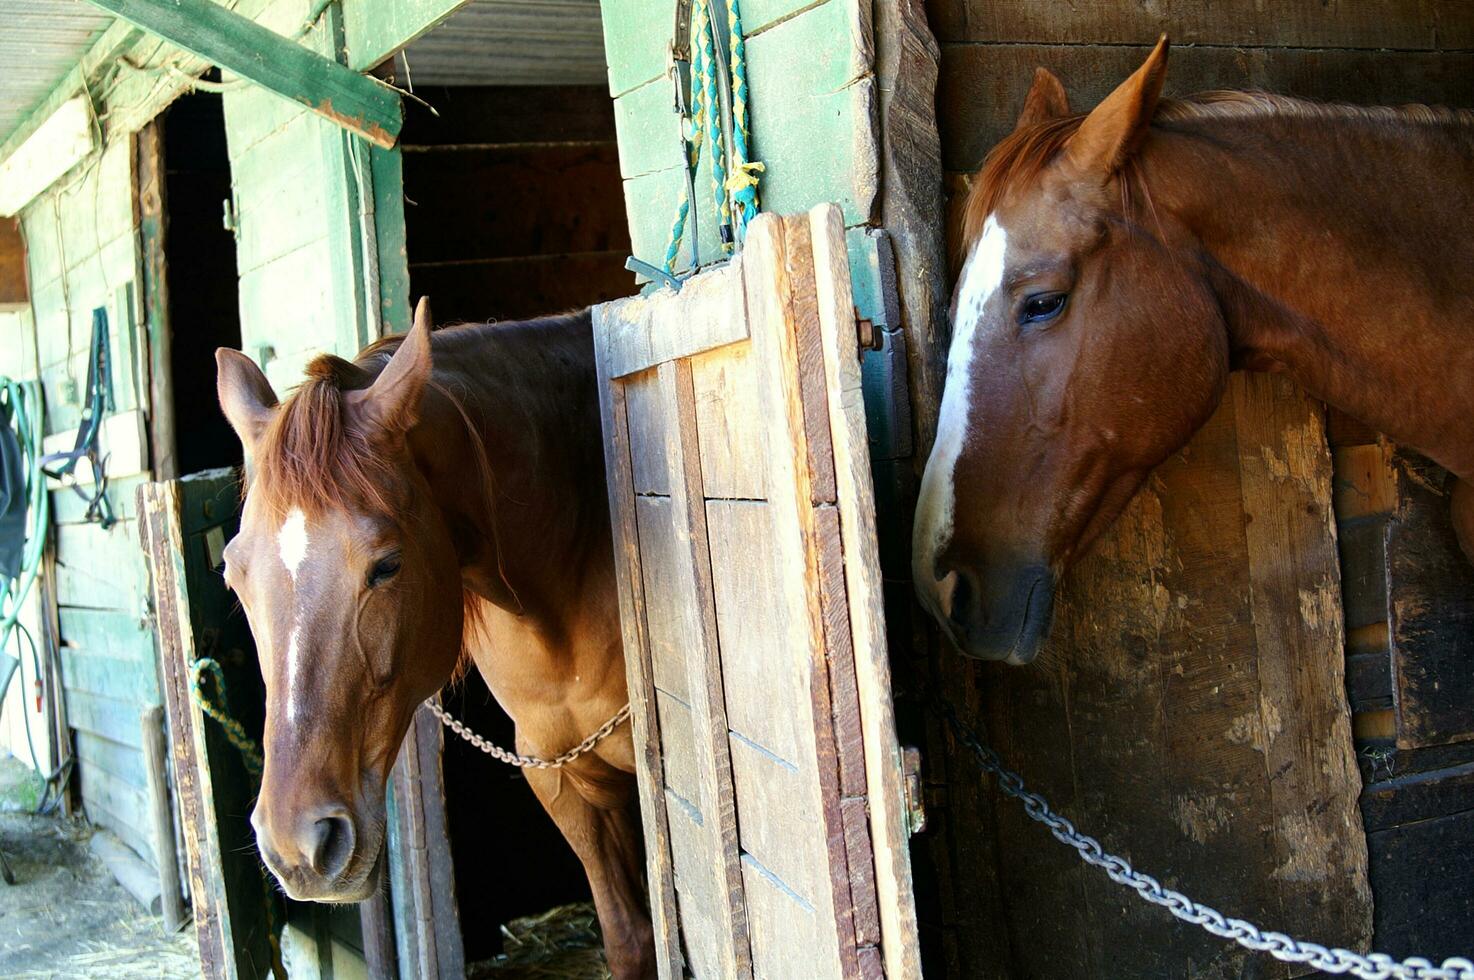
point(359, 104)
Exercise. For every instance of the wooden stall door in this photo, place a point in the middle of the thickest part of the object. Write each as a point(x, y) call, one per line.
point(770, 777)
point(184, 526)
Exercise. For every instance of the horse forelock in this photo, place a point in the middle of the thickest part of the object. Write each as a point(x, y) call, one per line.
point(311, 457)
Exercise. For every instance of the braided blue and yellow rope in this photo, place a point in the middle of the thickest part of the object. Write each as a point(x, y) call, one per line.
point(706, 126)
point(744, 179)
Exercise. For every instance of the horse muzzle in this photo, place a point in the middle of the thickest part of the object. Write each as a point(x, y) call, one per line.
point(319, 854)
point(997, 614)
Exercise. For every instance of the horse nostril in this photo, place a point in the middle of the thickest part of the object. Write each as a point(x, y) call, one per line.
point(332, 845)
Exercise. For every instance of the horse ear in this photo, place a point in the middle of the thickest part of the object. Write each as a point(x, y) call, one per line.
point(1046, 100)
point(245, 395)
point(1116, 127)
point(392, 402)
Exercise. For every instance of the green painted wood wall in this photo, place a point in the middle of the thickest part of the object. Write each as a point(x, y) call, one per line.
point(81, 254)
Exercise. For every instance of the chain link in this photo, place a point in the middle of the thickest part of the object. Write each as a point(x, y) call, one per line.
point(528, 761)
point(1372, 966)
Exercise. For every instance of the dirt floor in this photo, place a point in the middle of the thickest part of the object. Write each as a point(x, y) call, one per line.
point(65, 916)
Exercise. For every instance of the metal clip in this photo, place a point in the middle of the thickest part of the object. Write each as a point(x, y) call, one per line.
point(651, 272)
point(911, 787)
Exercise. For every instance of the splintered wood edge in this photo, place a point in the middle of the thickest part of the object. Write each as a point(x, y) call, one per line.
point(889, 836)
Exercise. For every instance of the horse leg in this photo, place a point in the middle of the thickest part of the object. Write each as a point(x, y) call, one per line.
point(1463, 510)
point(608, 841)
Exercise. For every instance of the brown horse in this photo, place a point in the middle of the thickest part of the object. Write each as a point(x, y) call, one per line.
point(405, 511)
point(1120, 264)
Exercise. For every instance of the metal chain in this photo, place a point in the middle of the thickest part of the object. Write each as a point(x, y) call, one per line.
point(1373, 966)
point(528, 761)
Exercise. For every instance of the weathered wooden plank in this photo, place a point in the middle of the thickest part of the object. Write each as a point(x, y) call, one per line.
point(765, 680)
point(729, 423)
point(69, 508)
point(678, 747)
point(982, 87)
point(133, 681)
point(239, 45)
point(1430, 595)
point(66, 137)
point(670, 629)
point(651, 414)
point(1166, 688)
point(119, 635)
point(100, 569)
point(1289, 527)
point(789, 935)
point(1376, 24)
point(644, 718)
point(103, 715)
point(776, 828)
point(862, 581)
point(123, 440)
point(708, 309)
point(158, 508)
point(1365, 485)
point(779, 286)
point(709, 722)
point(1416, 868)
point(161, 814)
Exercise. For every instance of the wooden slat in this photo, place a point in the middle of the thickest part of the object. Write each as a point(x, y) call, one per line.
point(1289, 527)
point(759, 672)
point(889, 834)
point(644, 718)
point(707, 308)
point(237, 44)
point(778, 280)
point(1430, 595)
point(730, 424)
point(671, 634)
point(704, 677)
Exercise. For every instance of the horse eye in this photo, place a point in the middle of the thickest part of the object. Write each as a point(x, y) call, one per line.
point(383, 570)
point(1043, 307)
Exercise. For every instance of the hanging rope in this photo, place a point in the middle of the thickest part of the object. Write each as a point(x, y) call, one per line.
point(705, 126)
point(745, 171)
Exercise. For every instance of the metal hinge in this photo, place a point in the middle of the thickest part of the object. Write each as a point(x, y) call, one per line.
point(911, 788)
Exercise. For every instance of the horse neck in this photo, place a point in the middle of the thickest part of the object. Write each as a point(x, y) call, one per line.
point(1339, 250)
point(538, 544)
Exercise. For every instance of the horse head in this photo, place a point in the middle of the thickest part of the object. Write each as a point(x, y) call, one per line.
point(349, 576)
point(1084, 351)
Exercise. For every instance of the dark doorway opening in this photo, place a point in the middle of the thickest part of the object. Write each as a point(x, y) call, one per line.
point(203, 302)
point(514, 208)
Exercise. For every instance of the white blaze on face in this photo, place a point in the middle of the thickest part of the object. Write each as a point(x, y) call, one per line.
point(982, 274)
point(291, 542)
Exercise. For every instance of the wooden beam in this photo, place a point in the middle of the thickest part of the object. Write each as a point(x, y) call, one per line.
point(359, 104)
point(58, 144)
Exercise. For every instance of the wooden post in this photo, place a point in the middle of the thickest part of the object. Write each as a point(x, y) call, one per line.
point(156, 768)
point(429, 873)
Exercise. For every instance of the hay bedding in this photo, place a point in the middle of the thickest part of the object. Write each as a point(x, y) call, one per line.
point(560, 944)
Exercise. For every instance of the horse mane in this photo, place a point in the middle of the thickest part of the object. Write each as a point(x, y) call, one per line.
point(1023, 154)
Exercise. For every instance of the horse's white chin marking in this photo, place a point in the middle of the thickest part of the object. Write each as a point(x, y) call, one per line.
point(981, 276)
